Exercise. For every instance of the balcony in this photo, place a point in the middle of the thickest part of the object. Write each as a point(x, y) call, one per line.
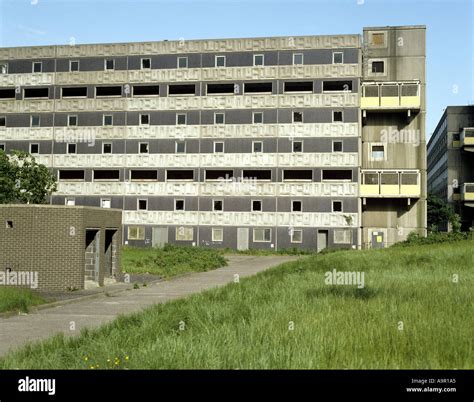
point(467, 139)
point(467, 194)
point(390, 96)
point(390, 184)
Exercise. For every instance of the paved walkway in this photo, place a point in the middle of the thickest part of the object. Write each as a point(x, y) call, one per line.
point(17, 330)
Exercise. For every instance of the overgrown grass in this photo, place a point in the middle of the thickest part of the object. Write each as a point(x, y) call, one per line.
point(265, 252)
point(170, 260)
point(414, 239)
point(412, 313)
point(18, 299)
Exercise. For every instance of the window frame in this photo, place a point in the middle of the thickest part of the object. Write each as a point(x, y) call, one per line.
point(263, 59)
point(302, 59)
point(265, 231)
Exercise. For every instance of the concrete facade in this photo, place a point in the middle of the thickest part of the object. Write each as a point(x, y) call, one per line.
point(241, 143)
point(451, 162)
point(65, 245)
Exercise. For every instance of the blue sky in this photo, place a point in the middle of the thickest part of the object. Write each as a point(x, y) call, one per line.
point(450, 45)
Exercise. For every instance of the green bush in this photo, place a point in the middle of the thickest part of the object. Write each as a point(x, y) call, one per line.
point(432, 238)
point(17, 299)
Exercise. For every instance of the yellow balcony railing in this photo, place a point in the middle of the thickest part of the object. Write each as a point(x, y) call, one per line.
point(467, 138)
point(390, 183)
point(467, 192)
point(390, 95)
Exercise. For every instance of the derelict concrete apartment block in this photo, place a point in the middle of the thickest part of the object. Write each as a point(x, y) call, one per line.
point(451, 161)
point(242, 143)
point(66, 246)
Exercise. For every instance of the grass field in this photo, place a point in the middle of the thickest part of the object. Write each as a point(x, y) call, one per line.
point(18, 300)
point(411, 314)
point(170, 260)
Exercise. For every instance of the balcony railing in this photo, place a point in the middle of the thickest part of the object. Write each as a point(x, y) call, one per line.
point(467, 139)
point(390, 184)
point(467, 192)
point(390, 95)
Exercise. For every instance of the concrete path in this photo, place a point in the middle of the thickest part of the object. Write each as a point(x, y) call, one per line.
point(71, 317)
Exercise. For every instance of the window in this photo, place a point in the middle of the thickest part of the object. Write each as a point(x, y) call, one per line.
point(337, 86)
point(143, 147)
point(219, 118)
point(144, 119)
point(342, 236)
point(184, 234)
point(146, 64)
point(107, 148)
point(298, 86)
point(378, 66)
point(298, 59)
point(296, 236)
point(72, 120)
point(136, 233)
point(217, 205)
point(35, 121)
point(181, 118)
point(337, 206)
point(34, 148)
point(108, 91)
point(337, 58)
point(337, 146)
point(339, 175)
point(180, 147)
point(219, 174)
point(218, 147)
point(71, 175)
point(377, 152)
point(36, 92)
point(220, 89)
point(70, 201)
point(377, 38)
point(257, 174)
point(3, 68)
point(297, 146)
point(105, 202)
point(37, 67)
point(109, 64)
point(143, 175)
point(217, 234)
point(256, 206)
point(258, 60)
point(2, 147)
point(142, 204)
point(3, 121)
point(262, 235)
point(179, 205)
point(257, 117)
point(7, 94)
point(74, 92)
point(108, 120)
point(180, 175)
point(257, 146)
point(73, 65)
point(71, 148)
point(296, 206)
point(220, 61)
point(297, 175)
point(337, 116)
point(106, 175)
point(297, 117)
point(182, 62)
point(181, 89)
point(146, 90)
point(258, 87)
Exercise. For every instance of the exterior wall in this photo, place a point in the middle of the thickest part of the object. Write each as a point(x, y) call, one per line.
point(51, 240)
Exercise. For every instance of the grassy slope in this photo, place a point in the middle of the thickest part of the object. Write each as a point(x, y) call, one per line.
point(246, 325)
point(170, 261)
point(16, 299)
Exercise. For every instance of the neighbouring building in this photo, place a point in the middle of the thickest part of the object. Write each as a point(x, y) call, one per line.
point(279, 142)
point(451, 162)
point(62, 248)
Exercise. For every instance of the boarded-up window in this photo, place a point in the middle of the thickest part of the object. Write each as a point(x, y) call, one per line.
point(378, 39)
point(184, 234)
point(342, 236)
point(136, 233)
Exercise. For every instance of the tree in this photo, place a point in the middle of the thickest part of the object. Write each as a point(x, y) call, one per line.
point(24, 180)
point(440, 213)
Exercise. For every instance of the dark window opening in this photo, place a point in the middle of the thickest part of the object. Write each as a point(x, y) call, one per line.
point(71, 175)
point(74, 92)
point(297, 175)
point(256, 87)
point(180, 174)
point(185, 89)
point(108, 91)
point(143, 175)
point(337, 116)
point(36, 92)
point(256, 205)
point(219, 174)
point(337, 146)
point(3, 121)
point(106, 174)
point(329, 86)
point(337, 174)
point(337, 206)
point(377, 66)
point(220, 88)
point(218, 205)
point(297, 117)
point(297, 206)
point(146, 90)
point(142, 205)
point(300, 86)
point(179, 205)
point(257, 174)
point(7, 93)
